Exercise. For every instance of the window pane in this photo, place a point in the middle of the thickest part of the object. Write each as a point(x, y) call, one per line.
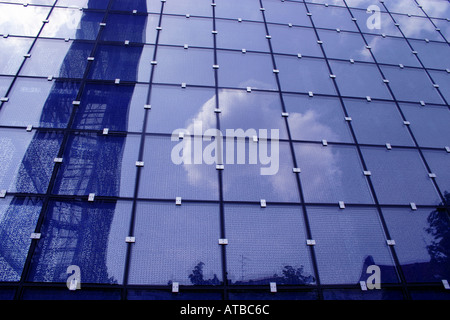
point(135, 28)
point(417, 27)
point(294, 40)
point(241, 35)
point(358, 294)
point(181, 30)
point(12, 19)
point(331, 174)
point(387, 25)
point(405, 7)
point(399, 177)
point(91, 4)
point(316, 119)
point(104, 165)
point(88, 235)
point(344, 45)
point(331, 17)
point(439, 162)
point(286, 12)
point(435, 8)
point(192, 7)
point(347, 242)
point(5, 82)
point(234, 9)
point(432, 54)
point(12, 51)
point(442, 78)
point(176, 243)
point(139, 5)
point(18, 217)
point(256, 233)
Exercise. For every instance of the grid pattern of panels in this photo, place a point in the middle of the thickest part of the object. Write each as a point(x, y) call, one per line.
point(110, 115)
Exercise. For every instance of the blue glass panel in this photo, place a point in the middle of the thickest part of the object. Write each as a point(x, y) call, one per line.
point(191, 31)
point(88, 235)
point(256, 233)
point(191, 66)
point(377, 122)
point(294, 40)
point(442, 78)
point(391, 50)
point(386, 26)
point(286, 296)
point(432, 54)
point(68, 59)
point(27, 159)
point(91, 4)
point(135, 28)
point(435, 8)
point(362, 4)
point(429, 295)
point(359, 80)
point(118, 108)
point(104, 165)
point(176, 243)
point(258, 111)
point(139, 5)
point(192, 7)
point(347, 242)
point(234, 9)
point(241, 70)
point(444, 26)
point(399, 177)
point(13, 23)
point(18, 217)
point(247, 176)
point(5, 82)
point(439, 162)
point(64, 294)
point(411, 84)
point(421, 242)
point(331, 17)
point(429, 124)
point(405, 7)
point(72, 23)
point(331, 174)
point(304, 75)
point(40, 103)
point(350, 294)
point(189, 104)
point(166, 295)
point(128, 63)
point(286, 12)
point(12, 51)
point(7, 293)
point(417, 27)
point(316, 119)
point(242, 35)
point(169, 172)
point(344, 45)
point(40, 2)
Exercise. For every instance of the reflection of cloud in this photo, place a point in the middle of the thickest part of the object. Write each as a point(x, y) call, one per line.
point(308, 125)
point(63, 20)
point(27, 20)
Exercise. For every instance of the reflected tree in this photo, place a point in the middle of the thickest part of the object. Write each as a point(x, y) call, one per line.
point(196, 276)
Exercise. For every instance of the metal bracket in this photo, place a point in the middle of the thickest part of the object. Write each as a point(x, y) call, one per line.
point(178, 201)
point(296, 170)
point(35, 236)
point(130, 239)
point(175, 287)
point(223, 241)
point(413, 206)
point(363, 285)
point(91, 197)
point(139, 163)
point(58, 160)
point(390, 242)
point(263, 203)
point(273, 287)
point(2, 193)
point(341, 205)
point(311, 242)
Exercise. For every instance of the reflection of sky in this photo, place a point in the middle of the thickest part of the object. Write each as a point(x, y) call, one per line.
point(20, 20)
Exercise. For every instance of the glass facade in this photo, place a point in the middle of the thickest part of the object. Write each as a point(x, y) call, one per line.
point(224, 149)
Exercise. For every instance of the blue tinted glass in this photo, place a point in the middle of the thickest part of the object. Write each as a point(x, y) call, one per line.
point(27, 159)
point(256, 233)
point(286, 12)
point(192, 7)
point(242, 70)
point(191, 31)
point(442, 78)
point(234, 9)
point(91, 4)
point(256, 110)
point(176, 243)
point(40, 2)
point(386, 25)
point(88, 235)
point(435, 8)
point(12, 51)
point(166, 295)
point(104, 165)
point(170, 172)
point(64, 294)
point(135, 28)
point(344, 45)
point(359, 80)
point(350, 294)
point(178, 65)
point(5, 82)
point(347, 242)
point(12, 22)
point(128, 63)
point(429, 295)
point(251, 174)
point(241, 35)
point(68, 59)
point(420, 242)
point(439, 162)
point(258, 295)
point(139, 5)
point(377, 122)
point(332, 17)
point(432, 54)
point(7, 293)
point(72, 23)
point(294, 40)
point(316, 119)
point(18, 217)
point(411, 84)
point(429, 124)
point(417, 27)
point(190, 104)
point(443, 26)
point(362, 4)
point(399, 177)
point(40, 103)
point(304, 75)
point(118, 108)
point(404, 6)
point(331, 174)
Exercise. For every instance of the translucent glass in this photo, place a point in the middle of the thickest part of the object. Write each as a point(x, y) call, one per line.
point(39, 103)
point(386, 25)
point(192, 7)
point(286, 12)
point(417, 27)
point(12, 51)
point(5, 82)
point(432, 54)
point(439, 163)
point(91, 4)
point(404, 6)
point(377, 122)
point(234, 9)
point(347, 242)
point(20, 20)
point(316, 119)
point(420, 242)
point(88, 235)
point(18, 217)
point(139, 5)
point(442, 78)
point(256, 233)
point(344, 45)
point(241, 70)
point(435, 8)
point(429, 124)
point(117, 108)
point(330, 174)
point(294, 40)
point(26, 159)
point(104, 165)
point(331, 17)
point(304, 75)
point(361, 4)
point(241, 35)
point(169, 173)
point(176, 243)
point(192, 31)
point(135, 28)
point(444, 26)
point(399, 177)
